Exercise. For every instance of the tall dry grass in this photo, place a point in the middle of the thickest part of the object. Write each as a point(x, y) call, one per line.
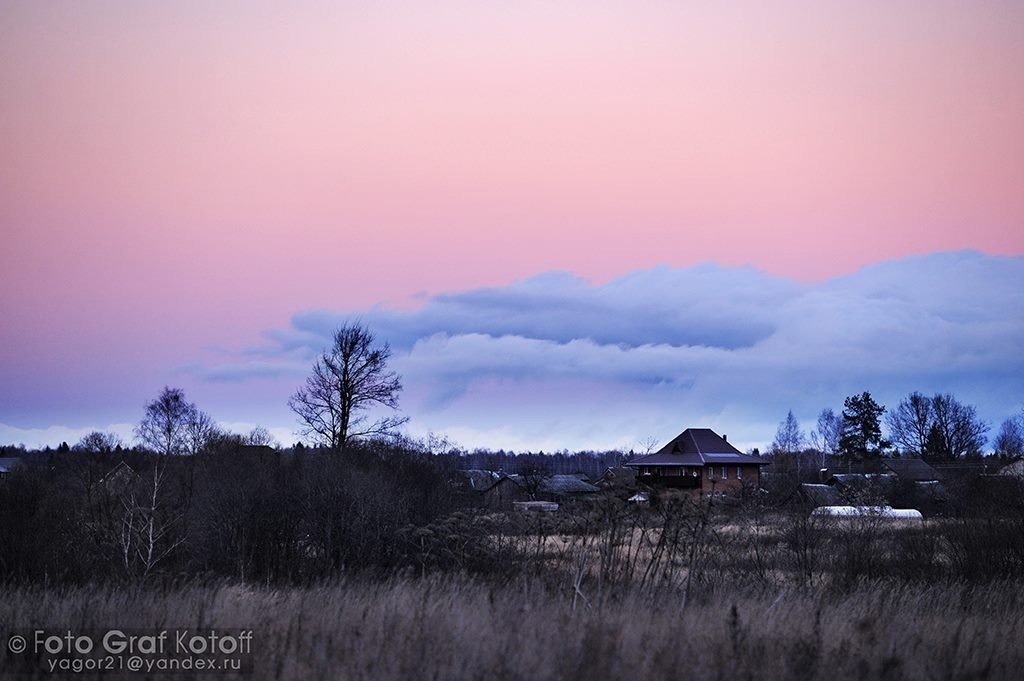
point(460, 628)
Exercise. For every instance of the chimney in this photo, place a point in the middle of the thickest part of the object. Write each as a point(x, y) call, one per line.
point(725, 437)
point(823, 475)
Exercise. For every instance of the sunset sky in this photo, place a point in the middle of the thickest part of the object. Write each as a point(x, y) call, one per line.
point(580, 224)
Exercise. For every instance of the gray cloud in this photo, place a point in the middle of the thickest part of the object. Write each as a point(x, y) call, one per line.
point(653, 351)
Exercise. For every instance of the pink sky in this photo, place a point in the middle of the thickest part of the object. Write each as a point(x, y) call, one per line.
point(177, 177)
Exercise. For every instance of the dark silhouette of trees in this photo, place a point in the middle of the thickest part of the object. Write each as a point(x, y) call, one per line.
point(1010, 439)
point(532, 476)
point(99, 442)
point(261, 437)
point(200, 429)
point(861, 429)
point(789, 439)
point(910, 422)
point(956, 431)
point(348, 381)
point(825, 436)
point(173, 425)
point(939, 426)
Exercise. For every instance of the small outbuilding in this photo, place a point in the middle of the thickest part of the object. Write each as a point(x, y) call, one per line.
point(883, 512)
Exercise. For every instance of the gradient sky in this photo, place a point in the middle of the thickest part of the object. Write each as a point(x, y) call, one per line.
point(180, 180)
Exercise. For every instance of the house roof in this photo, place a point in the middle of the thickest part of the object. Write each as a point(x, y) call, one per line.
point(566, 484)
point(557, 484)
point(911, 468)
point(478, 480)
point(1015, 469)
point(862, 480)
point(617, 476)
point(697, 447)
point(821, 495)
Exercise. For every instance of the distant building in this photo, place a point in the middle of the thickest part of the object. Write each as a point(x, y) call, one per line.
point(701, 460)
point(912, 469)
point(492, 490)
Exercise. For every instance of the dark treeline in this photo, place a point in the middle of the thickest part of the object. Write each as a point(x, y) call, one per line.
point(257, 514)
point(590, 463)
point(252, 513)
point(233, 510)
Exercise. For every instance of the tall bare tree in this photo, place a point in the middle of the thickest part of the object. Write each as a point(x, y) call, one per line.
point(910, 422)
point(348, 381)
point(200, 430)
point(1009, 441)
point(956, 430)
point(789, 439)
point(825, 436)
point(173, 425)
point(98, 441)
point(260, 436)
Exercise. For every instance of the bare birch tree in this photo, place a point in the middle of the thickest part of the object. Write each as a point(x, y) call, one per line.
point(173, 425)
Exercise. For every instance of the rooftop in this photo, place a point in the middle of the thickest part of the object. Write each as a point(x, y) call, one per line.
point(697, 447)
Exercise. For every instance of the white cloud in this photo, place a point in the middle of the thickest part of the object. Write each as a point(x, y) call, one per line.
point(554, 359)
point(52, 436)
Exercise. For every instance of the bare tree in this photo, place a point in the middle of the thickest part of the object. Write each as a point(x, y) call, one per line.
point(825, 436)
point(789, 439)
point(173, 425)
point(163, 428)
point(97, 441)
point(200, 430)
point(260, 436)
point(649, 444)
point(788, 443)
point(532, 476)
point(956, 430)
point(147, 533)
point(348, 381)
point(1010, 440)
point(910, 422)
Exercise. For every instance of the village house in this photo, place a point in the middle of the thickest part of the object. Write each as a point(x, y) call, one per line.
point(701, 460)
point(909, 481)
point(492, 490)
point(496, 490)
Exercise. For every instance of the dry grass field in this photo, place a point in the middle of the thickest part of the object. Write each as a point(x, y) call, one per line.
point(458, 628)
point(600, 592)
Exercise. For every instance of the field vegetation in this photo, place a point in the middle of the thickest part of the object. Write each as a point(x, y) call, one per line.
point(457, 627)
point(369, 566)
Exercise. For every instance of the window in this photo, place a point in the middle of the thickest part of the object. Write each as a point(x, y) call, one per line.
point(711, 473)
point(739, 472)
point(725, 473)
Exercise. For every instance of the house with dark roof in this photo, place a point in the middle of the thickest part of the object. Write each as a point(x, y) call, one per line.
point(911, 468)
point(558, 486)
point(820, 495)
point(701, 460)
point(492, 490)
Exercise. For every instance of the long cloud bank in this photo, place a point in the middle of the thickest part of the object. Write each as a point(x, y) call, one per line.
point(554, 361)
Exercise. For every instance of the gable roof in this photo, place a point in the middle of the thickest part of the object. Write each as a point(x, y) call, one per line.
point(911, 468)
point(566, 484)
point(476, 480)
point(697, 447)
point(821, 495)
